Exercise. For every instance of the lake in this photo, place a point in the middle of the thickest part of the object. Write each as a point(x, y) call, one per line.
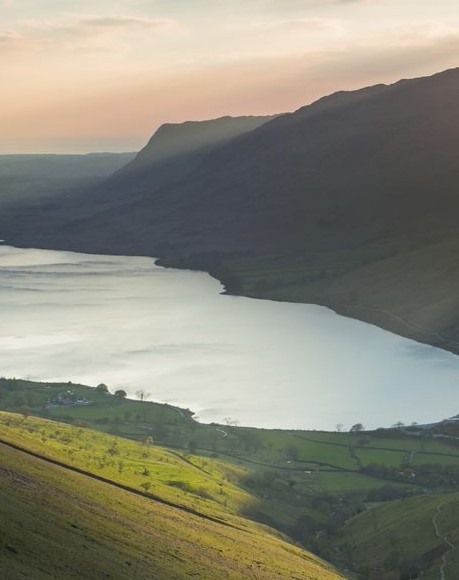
point(130, 324)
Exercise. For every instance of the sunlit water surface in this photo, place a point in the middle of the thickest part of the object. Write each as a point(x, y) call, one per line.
point(128, 323)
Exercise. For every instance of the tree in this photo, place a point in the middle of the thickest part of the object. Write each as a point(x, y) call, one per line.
point(102, 388)
point(146, 486)
point(291, 453)
point(116, 422)
point(357, 428)
point(120, 394)
point(142, 394)
point(229, 422)
point(25, 411)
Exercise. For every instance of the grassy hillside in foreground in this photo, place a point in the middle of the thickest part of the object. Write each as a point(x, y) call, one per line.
point(309, 485)
point(58, 524)
point(199, 484)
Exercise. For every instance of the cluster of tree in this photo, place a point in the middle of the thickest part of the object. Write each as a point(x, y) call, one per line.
point(386, 493)
point(13, 394)
point(119, 393)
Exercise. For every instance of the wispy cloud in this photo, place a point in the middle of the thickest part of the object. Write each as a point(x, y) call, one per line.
point(82, 32)
point(300, 25)
point(9, 38)
point(123, 22)
point(91, 24)
point(305, 3)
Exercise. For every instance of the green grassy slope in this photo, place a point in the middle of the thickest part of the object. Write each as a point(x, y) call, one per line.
point(59, 524)
point(56, 524)
point(309, 485)
point(401, 536)
point(194, 483)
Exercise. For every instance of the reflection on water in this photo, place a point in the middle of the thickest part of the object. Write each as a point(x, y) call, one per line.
point(128, 323)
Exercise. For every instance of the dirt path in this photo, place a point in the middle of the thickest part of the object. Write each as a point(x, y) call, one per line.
point(445, 540)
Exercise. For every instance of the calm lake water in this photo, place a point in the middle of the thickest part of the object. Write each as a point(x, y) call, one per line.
point(128, 323)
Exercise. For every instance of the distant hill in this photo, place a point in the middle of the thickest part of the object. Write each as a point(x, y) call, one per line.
point(350, 202)
point(33, 180)
point(47, 166)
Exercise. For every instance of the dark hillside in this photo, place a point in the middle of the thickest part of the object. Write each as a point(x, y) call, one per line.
point(351, 202)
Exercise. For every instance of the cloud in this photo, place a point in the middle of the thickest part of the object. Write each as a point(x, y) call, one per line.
point(9, 38)
point(88, 24)
point(7, 35)
point(300, 25)
point(303, 3)
point(338, 1)
point(124, 22)
point(86, 32)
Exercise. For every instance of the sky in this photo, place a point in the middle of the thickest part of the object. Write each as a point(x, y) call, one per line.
point(102, 75)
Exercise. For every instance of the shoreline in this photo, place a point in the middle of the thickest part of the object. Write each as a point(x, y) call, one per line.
point(214, 265)
point(384, 320)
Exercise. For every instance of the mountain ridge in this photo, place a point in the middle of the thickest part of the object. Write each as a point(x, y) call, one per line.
point(349, 202)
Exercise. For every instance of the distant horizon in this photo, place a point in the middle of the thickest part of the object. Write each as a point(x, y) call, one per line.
point(95, 75)
point(68, 154)
point(119, 148)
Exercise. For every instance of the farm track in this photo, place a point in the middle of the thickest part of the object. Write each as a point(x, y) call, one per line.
point(419, 329)
point(451, 547)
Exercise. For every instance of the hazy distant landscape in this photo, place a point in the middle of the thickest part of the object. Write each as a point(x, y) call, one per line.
point(229, 275)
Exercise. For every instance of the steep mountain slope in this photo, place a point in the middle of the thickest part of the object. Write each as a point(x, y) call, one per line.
point(351, 202)
point(58, 523)
point(346, 170)
point(175, 139)
point(172, 154)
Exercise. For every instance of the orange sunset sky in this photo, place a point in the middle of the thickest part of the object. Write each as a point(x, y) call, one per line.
point(102, 75)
